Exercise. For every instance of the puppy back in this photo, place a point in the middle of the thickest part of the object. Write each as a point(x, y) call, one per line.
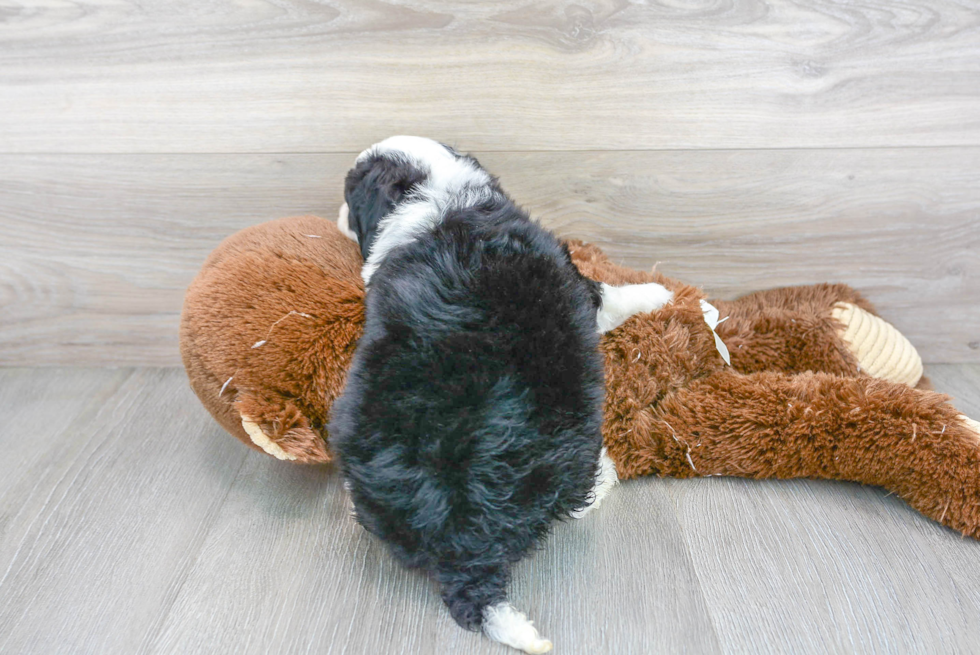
point(472, 414)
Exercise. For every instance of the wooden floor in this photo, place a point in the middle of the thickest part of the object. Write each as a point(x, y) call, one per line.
point(742, 144)
point(132, 524)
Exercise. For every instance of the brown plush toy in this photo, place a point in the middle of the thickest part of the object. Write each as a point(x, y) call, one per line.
point(819, 386)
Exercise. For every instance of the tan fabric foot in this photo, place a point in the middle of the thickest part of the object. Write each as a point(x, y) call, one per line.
point(260, 439)
point(881, 350)
point(973, 425)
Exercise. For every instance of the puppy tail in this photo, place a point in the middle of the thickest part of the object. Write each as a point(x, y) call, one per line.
point(477, 599)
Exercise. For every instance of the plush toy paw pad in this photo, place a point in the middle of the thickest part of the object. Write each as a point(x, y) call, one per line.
point(260, 439)
point(881, 350)
point(973, 425)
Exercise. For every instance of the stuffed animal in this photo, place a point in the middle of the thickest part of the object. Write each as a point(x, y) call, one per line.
point(818, 385)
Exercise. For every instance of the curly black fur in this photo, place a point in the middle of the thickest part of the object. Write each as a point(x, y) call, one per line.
point(472, 418)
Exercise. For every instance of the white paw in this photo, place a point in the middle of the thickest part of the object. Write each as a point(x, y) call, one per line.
point(504, 624)
point(343, 223)
point(260, 439)
point(605, 479)
point(647, 297)
point(620, 303)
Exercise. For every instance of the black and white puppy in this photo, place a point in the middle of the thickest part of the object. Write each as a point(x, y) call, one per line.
point(472, 415)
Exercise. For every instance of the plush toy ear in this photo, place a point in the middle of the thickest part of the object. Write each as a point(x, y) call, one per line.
point(278, 427)
point(372, 189)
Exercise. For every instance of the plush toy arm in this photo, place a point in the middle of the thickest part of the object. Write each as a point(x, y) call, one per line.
point(821, 327)
point(772, 425)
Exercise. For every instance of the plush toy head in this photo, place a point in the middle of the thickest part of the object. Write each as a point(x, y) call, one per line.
point(268, 330)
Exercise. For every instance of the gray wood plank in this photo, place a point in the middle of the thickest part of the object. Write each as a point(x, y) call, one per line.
point(291, 76)
point(37, 407)
point(815, 566)
point(95, 253)
point(139, 527)
point(286, 570)
point(902, 226)
point(96, 250)
point(958, 556)
point(104, 527)
point(961, 382)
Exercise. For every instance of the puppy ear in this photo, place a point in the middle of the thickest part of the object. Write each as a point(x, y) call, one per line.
point(372, 190)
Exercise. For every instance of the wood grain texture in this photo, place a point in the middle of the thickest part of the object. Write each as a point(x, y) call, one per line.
point(132, 524)
point(96, 250)
point(95, 253)
point(962, 382)
point(846, 561)
point(102, 526)
point(292, 76)
point(287, 561)
point(857, 566)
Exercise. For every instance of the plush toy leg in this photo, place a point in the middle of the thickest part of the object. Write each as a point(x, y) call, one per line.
point(823, 327)
point(772, 425)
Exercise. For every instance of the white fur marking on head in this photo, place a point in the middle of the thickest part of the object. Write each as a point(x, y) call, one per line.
point(398, 228)
point(620, 303)
point(419, 150)
point(605, 479)
point(343, 223)
point(450, 182)
point(504, 624)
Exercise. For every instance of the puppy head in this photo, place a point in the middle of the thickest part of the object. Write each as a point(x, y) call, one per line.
point(376, 184)
point(394, 170)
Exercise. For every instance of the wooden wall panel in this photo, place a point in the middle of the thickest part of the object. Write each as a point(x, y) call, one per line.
point(290, 76)
point(96, 250)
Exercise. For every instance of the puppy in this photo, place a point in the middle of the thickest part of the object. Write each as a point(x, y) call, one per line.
point(472, 415)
